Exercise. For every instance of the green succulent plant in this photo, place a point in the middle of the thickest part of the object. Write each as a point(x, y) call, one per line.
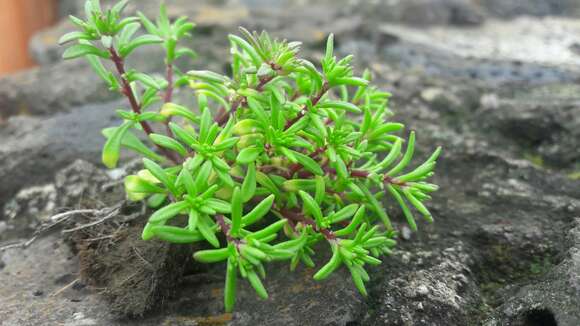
point(270, 161)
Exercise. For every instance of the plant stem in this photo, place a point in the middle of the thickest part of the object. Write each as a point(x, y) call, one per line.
point(300, 218)
point(225, 227)
point(223, 115)
point(315, 100)
point(169, 77)
point(135, 106)
point(126, 90)
point(297, 166)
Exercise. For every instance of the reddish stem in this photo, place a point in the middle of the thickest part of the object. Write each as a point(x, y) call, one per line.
point(315, 100)
point(169, 91)
point(135, 106)
point(223, 115)
point(297, 166)
point(225, 227)
point(298, 217)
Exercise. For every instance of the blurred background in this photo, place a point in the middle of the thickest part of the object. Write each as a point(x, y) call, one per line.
point(495, 82)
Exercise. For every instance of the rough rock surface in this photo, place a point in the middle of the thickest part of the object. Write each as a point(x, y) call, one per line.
point(505, 248)
point(34, 148)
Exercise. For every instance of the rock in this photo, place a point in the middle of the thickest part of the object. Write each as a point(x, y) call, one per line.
point(33, 149)
point(522, 50)
point(423, 12)
point(540, 123)
point(34, 202)
point(50, 89)
point(511, 8)
point(27, 210)
point(81, 184)
point(295, 298)
point(436, 288)
point(552, 300)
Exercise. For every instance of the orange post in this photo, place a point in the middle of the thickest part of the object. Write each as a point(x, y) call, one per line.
point(19, 19)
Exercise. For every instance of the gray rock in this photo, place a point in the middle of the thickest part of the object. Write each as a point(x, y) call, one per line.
point(33, 149)
point(552, 300)
point(434, 288)
point(81, 184)
point(511, 8)
point(422, 12)
point(27, 210)
point(50, 89)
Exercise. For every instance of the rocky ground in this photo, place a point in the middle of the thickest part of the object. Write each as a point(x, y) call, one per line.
point(494, 82)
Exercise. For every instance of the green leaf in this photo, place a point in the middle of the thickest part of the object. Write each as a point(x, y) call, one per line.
point(358, 217)
point(79, 50)
point(311, 206)
point(406, 158)
point(269, 230)
point(156, 200)
point(345, 213)
point(131, 141)
point(147, 80)
point(212, 255)
point(320, 192)
point(391, 157)
point(205, 125)
point(72, 36)
point(168, 212)
point(259, 211)
point(207, 232)
point(135, 185)
point(203, 175)
point(183, 135)
point(267, 183)
point(249, 184)
point(125, 50)
point(98, 67)
point(418, 205)
point(148, 24)
point(351, 81)
point(404, 207)
point(112, 147)
point(219, 206)
point(330, 266)
point(257, 285)
point(329, 48)
point(358, 281)
point(378, 208)
point(251, 51)
point(230, 285)
point(175, 234)
point(159, 173)
point(119, 7)
point(386, 128)
point(168, 142)
point(308, 163)
point(208, 76)
point(349, 107)
point(248, 155)
point(236, 212)
point(226, 144)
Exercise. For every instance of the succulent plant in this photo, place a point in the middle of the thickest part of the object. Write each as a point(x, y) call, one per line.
point(279, 156)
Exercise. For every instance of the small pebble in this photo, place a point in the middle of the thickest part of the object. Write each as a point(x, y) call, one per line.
point(406, 233)
point(422, 290)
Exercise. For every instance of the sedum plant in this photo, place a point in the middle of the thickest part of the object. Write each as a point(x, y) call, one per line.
point(280, 156)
